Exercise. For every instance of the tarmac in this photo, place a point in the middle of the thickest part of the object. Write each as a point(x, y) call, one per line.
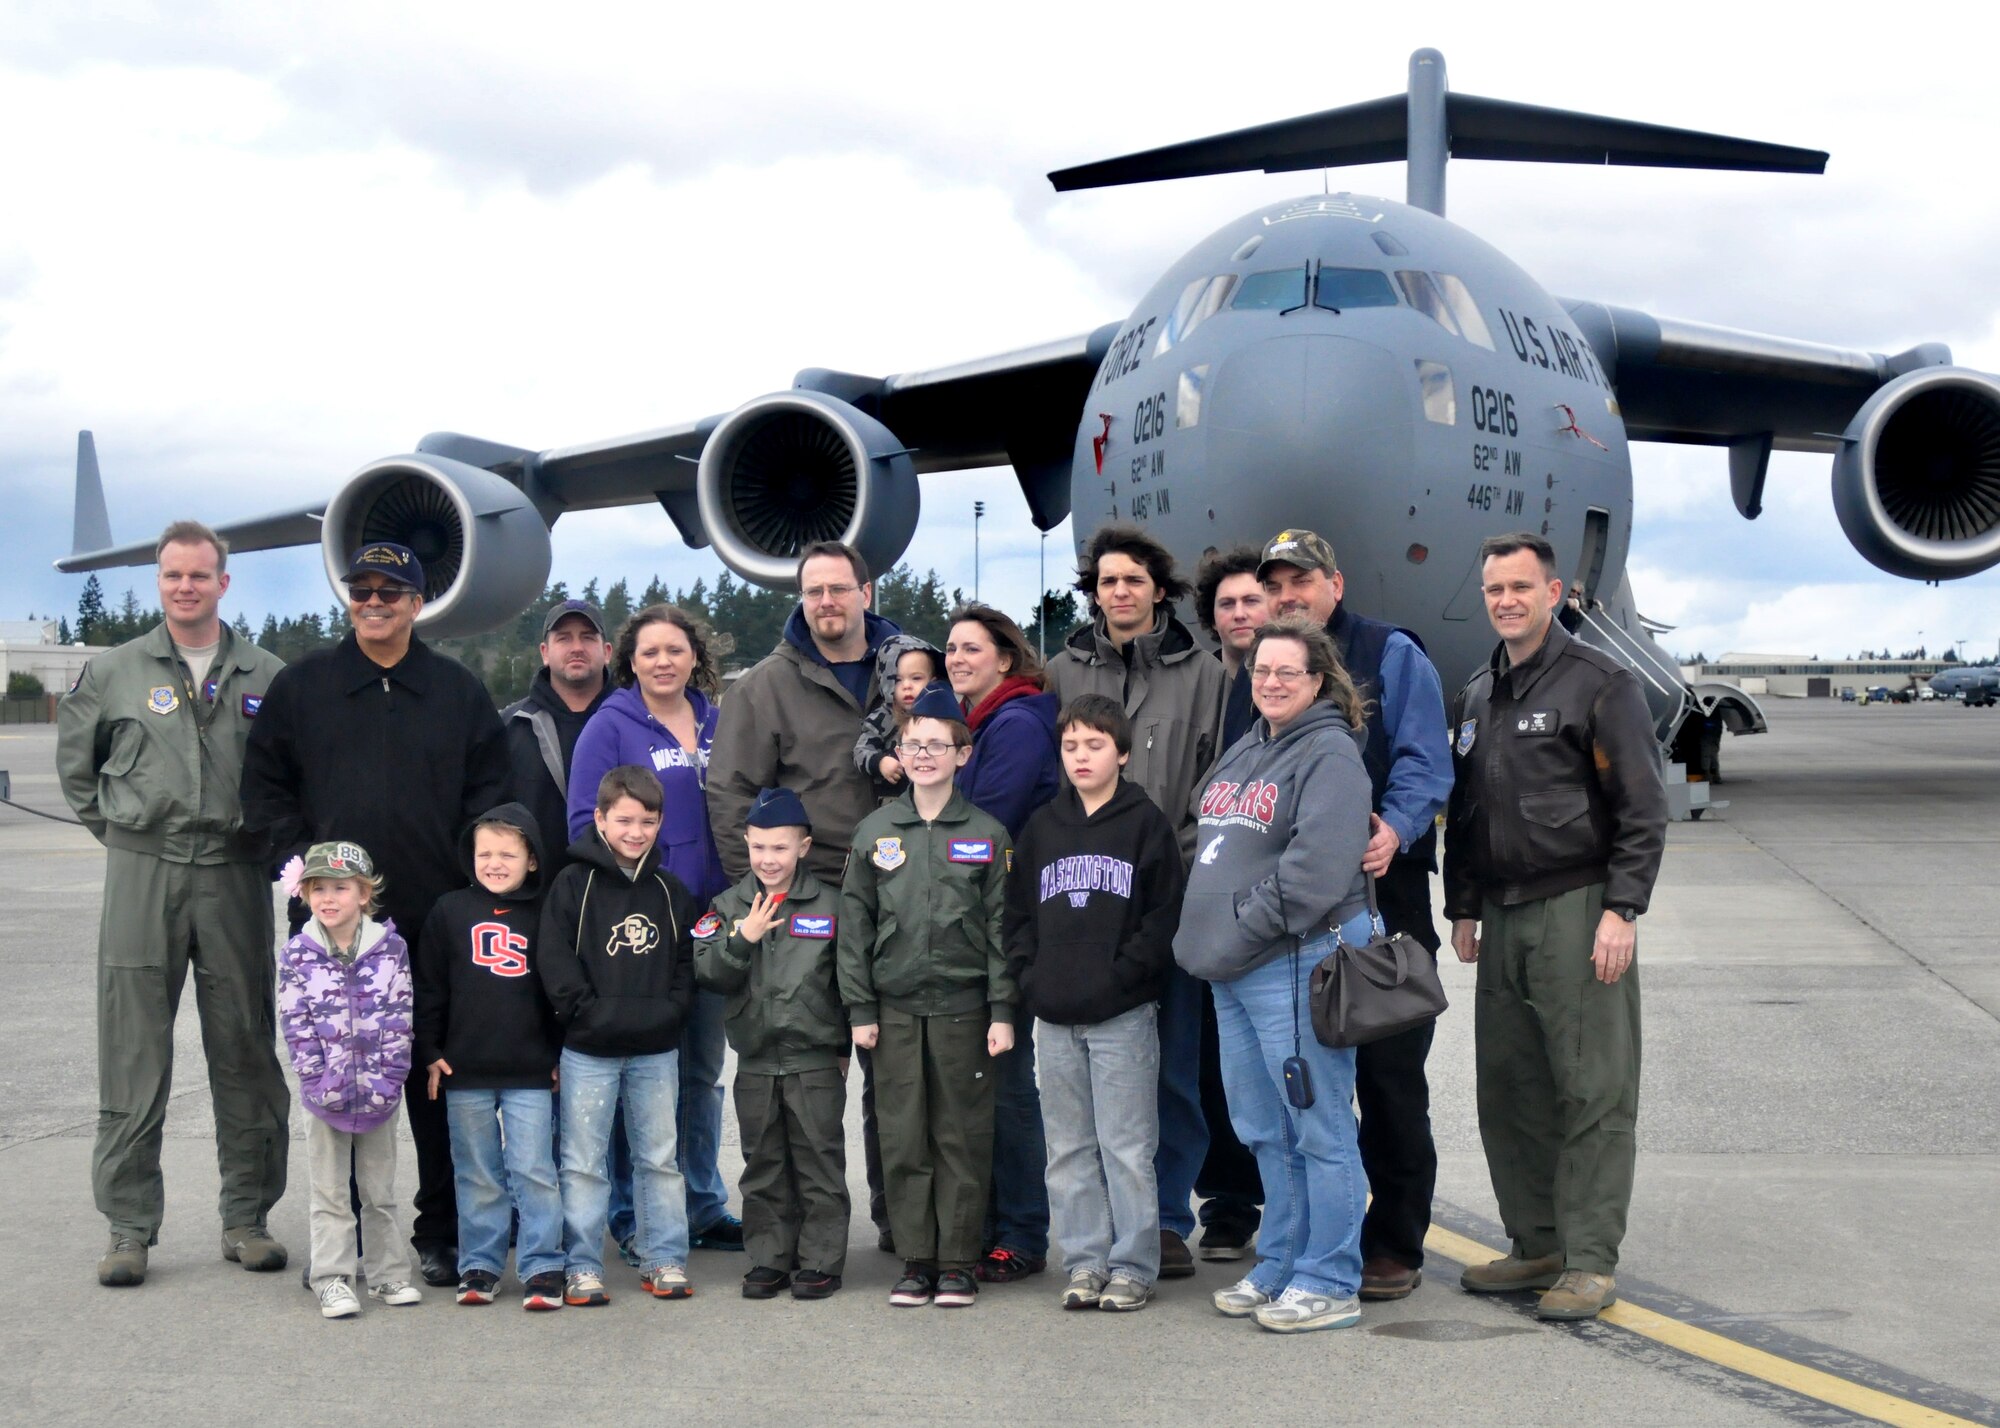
point(1812, 1238)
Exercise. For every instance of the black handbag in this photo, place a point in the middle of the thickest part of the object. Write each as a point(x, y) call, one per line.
point(1386, 985)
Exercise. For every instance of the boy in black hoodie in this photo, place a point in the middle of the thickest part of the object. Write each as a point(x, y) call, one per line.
point(1092, 908)
point(618, 964)
point(487, 1035)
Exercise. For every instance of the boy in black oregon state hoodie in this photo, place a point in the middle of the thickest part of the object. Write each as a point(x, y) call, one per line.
point(617, 961)
point(487, 1036)
point(1092, 907)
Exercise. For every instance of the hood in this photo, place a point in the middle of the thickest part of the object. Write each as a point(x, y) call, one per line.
point(514, 815)
point(1011, 690)
point(1168, 642)
point(1067, 807)
point(1322, 715)
point(542, 694)
point(628, 706)
point(594, 851)
point(800, 638)
point(892, 651)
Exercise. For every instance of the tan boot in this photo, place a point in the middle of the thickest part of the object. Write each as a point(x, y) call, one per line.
point(1578, 1294)
point(1506, 1276)
point(124, 1264)
point(252, 1247)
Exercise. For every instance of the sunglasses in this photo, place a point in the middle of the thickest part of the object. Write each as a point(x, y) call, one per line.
point(387, 594)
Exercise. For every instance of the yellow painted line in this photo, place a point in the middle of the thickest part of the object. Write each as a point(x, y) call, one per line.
point(1716, 1349)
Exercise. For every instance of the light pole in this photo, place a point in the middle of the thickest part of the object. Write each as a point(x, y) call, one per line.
point(978, 514)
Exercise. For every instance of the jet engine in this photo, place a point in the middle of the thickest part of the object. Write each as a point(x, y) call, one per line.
point(1917, 480)
point(484, 548)
point(791, 468)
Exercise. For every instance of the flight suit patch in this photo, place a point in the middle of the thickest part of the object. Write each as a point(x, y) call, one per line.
point(1537, 721)
point(163, 700)
point(969, 850)
point(888, 854)
point(817, 926)
point(251, 704)
point(707, 925)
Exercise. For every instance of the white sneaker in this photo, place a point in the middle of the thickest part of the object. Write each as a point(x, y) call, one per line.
point(1297, 1310)
point(337, 1301)
point(1240, 1300)
point(396, 1292)
point(1084, 1288)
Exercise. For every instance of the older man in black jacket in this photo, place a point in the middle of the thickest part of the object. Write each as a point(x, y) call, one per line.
point(384, 742)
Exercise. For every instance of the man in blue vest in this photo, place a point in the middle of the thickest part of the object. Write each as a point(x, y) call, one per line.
point(1408, 756)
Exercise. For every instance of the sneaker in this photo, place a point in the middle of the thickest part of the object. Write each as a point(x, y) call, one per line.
point(1175, 1260)
point(252, 1247)
point(1579, 1294)
point(476, 1286)
point(337, 1301)
point(1298, 1310)
point(669, 1281)
point(1085, 1288)
point(543, 1291)
point(725, 1234)
point(914, 1289)
point(1240, 1300)
point(814, 1284)
point(1123, 1295)
point(397, 1292)
point(1223, 1243)
point(628, 1250)
point(956, 1289)
point(124, 1263)
point(765, 1283)
point(1003, 1266)
point(585, 1290)
point(1385, 1278)
point(1508, 1274)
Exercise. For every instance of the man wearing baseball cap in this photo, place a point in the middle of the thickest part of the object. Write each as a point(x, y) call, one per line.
point(1408, 758)
point(385, 742)
point(542, 727)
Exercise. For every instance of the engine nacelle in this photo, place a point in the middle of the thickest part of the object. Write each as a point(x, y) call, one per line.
point(791, 468)
point(484, 548)
point(1917, 482)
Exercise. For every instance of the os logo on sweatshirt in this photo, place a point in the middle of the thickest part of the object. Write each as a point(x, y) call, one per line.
point(499, 949)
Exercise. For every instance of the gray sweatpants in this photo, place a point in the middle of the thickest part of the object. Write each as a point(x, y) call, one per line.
point(329, 1152)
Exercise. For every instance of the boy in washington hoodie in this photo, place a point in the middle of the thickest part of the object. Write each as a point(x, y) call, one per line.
point(487, 1036)
point(617, 962)
point(1092, 908)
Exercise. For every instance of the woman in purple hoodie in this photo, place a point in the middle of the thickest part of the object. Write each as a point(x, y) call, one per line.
point(662, 717)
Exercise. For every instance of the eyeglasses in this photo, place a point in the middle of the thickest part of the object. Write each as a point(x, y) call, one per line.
point(934, 750)
point(818, 593)
point(1261, 673)
point(387, 594)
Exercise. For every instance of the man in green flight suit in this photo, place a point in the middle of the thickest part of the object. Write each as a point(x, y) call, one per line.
point(149, 748)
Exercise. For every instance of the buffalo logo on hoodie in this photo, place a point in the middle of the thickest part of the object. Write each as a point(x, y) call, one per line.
point(635, 934)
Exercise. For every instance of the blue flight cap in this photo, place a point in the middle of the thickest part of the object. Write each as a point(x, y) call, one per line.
point(383, 557)
point(938, 702)
point(778, 808)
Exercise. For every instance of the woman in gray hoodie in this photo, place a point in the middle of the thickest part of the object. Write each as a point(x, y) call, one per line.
point(1282, 822)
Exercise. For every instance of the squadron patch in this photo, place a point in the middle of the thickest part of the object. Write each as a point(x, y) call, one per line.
point(251, 704)
point(708, 924)
point(163, 700)
point(1467, 732)
point(817, 926)
point(969, 850)
point(888, 854)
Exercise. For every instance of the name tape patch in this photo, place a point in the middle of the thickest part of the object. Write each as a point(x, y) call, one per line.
point(969, 850)
point(818, 927)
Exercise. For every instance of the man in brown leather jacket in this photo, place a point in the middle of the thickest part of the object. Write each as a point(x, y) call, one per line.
point(1556, 826)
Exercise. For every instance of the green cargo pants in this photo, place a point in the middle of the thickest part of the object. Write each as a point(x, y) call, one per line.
point(159, 920)
point(795, 1205)
point(934, 1113)
point(1558, 1067)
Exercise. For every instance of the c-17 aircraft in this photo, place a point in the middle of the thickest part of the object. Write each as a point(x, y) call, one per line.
point(1358, 366)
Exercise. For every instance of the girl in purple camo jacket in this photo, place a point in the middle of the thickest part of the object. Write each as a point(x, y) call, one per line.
point(344, 1002)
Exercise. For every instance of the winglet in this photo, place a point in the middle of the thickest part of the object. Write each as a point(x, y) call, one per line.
point(92, 528)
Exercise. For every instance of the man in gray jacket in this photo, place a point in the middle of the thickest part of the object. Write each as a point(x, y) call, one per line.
point(1136, 651)
point(149, 748)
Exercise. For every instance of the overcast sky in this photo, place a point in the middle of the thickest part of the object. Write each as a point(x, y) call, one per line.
point(253, 247)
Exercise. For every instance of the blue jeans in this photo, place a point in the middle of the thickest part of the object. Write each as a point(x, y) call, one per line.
point(1100, 1105)
point(697, 1126)
point(1314, 1188)
point(1017, 1212)
point(500, 1176)
point(1183, 1129)
point(646, 1088)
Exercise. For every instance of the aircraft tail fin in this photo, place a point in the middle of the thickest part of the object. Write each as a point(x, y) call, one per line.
point(1428, 124)
point(92, 527)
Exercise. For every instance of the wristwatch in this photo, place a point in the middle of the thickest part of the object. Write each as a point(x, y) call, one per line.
point(1625, 912)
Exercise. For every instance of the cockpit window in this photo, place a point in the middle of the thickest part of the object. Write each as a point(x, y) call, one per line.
point(1282, 289)
point(1199, 301)
point(1446, 301)
point(1342, 288)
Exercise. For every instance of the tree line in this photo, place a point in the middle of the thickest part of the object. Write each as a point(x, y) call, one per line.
point(747, 621)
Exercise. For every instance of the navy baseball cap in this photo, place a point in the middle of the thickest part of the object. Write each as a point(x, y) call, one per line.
point(584, 608)
point(938, 702)
point(397, 562)
point(778, 808)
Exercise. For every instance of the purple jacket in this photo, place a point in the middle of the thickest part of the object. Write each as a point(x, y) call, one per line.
point(623, 731)
point(348, 1026)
